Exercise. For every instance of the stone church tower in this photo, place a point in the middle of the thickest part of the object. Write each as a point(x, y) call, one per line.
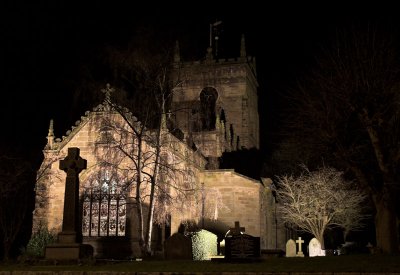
point(216, 104)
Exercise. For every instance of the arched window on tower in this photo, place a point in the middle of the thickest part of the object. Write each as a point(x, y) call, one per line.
point(208, 99)
point(104, 205)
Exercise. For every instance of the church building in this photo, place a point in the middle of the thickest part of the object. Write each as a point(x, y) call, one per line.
point(216, 109)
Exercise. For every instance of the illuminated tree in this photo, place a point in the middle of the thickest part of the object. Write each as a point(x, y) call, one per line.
point(318, 200)
point(147, 137)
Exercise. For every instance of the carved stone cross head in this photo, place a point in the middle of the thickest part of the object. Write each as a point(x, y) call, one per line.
point(73, 164)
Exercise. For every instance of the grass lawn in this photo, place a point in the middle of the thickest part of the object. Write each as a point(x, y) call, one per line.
point(343, 263)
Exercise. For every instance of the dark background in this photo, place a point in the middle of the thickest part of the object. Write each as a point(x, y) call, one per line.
point(45, 45)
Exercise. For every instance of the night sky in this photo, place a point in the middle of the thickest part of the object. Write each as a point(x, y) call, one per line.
point(45, 44)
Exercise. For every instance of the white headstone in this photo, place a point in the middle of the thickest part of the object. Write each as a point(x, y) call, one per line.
point(290, 248)
point(314, 248)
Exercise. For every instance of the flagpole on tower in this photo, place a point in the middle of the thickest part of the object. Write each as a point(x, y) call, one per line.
point(213, 26)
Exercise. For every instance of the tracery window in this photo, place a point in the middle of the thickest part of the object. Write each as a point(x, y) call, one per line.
point(104, 206)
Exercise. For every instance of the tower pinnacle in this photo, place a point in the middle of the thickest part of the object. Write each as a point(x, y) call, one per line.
point(50, 135)
point(242, 47)
point(177, 55)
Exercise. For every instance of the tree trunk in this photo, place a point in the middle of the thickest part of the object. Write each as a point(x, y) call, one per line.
point(139, 209)
point(147, 249)
point(385, 219)
point(320, 238)
point(140, 226)
point(150, 216)
point(149, 233)
point(386, 227)
point(7, 248)
point(138, 196)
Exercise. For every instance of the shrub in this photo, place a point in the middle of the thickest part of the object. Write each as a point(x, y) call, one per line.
point(38, 242)
point(204, 245)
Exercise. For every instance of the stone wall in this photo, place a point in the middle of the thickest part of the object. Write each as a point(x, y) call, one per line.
point(241, 199)
point(236, 85)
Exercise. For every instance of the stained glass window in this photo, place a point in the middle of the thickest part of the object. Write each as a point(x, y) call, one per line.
point(104, 206)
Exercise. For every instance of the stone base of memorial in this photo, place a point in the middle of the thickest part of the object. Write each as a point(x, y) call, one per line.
point(272, 253)
point(68, 251)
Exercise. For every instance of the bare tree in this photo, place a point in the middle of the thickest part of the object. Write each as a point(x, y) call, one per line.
point(346, 112)
point(318, 200)
point(43, 181)
point(158, 160)
point(156, 169)
point(16, 186)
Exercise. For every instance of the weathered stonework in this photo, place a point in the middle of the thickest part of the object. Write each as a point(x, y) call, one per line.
point(235, 86)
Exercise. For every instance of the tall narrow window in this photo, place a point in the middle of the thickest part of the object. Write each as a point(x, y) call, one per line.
point(104, 206)
point(208, 99)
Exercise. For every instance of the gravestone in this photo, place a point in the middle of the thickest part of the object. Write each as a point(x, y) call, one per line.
point(300, 253)
point(291, 248)
point(314, 248)
point(68, 246)
point(178, 247)
point(241, 247)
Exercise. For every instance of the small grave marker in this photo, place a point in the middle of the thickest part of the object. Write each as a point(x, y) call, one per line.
point(300, 253)
point(314, 248)
point(178, 247)
point(291, 248)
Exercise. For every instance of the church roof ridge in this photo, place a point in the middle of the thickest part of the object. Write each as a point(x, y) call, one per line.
point(219, 61)
point(58, 143)
point(232, 171)
point(106, 106)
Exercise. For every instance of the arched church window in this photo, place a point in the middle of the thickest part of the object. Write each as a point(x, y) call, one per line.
point(104, 205)
point(208, 99)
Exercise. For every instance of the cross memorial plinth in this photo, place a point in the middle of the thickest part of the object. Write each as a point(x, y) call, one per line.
point(68, 246)
point(73, 164)
point(300, 252)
